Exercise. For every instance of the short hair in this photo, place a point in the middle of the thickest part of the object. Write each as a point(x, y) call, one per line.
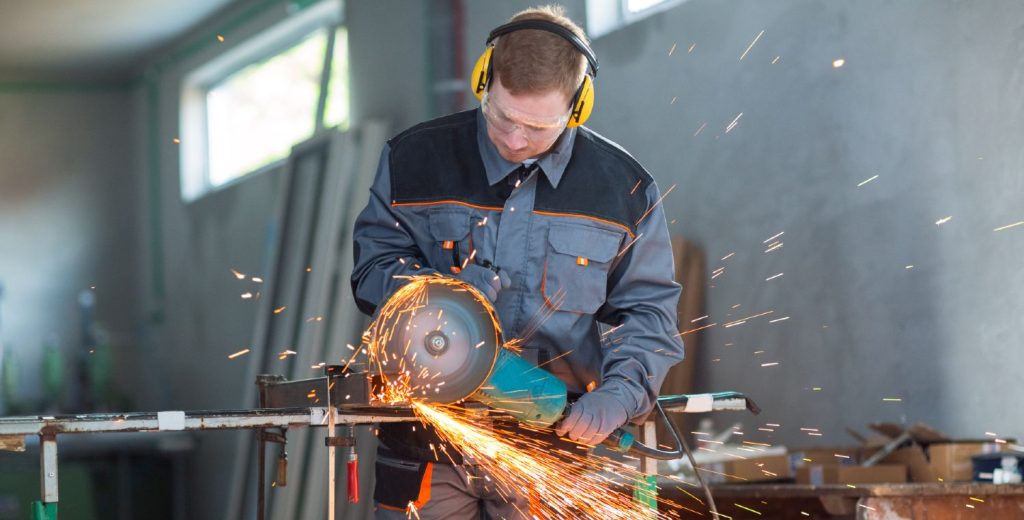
point(533, 61)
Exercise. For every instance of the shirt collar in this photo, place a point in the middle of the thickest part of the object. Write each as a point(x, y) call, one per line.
point(552, 163)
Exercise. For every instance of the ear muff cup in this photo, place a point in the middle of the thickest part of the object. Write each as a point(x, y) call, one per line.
point(481, 73)
point(583, 103)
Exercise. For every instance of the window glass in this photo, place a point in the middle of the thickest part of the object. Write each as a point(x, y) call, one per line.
point(336, 110)
point(635, 6)
point(255, 115)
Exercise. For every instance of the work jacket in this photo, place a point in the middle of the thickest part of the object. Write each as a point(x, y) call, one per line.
point(583, 238)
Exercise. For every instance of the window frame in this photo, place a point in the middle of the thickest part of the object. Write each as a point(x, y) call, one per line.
point(194, 149)
point(607, 16)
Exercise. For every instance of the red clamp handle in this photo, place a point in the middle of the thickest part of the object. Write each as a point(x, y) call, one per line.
point(353, 481)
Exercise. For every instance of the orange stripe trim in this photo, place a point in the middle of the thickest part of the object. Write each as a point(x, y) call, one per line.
point(439, 202)
point(425, 487)
point(616, 224)
point(392, 508)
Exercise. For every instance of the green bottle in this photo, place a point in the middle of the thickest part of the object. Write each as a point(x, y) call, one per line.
point(53, 374)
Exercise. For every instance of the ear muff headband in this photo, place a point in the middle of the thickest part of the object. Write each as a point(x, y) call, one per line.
point(583, 100)
point(551, 27)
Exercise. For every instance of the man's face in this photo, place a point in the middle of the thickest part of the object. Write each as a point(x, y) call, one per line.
point(526, 125)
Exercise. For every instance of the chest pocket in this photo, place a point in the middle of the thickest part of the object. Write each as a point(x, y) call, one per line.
point(452, 243)
point(576, 267)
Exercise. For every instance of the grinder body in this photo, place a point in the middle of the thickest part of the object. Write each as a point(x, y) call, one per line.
point(530, 394)
point(442, 329)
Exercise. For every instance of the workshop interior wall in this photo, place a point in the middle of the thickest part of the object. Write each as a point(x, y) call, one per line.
point(68, 222)
point(930, 101)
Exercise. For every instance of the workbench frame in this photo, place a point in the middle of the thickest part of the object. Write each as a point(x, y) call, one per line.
point(13, 431)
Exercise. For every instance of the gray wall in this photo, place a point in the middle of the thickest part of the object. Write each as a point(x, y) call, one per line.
point(930, 100)
point(927, 88)
point(68, 222)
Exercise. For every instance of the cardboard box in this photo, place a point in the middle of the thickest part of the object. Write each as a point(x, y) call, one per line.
point(913, 458)
point(767, 468)
point(759, 469)
point(805, 456)
point(821, 474)
point(951, 461)
point(929, 454)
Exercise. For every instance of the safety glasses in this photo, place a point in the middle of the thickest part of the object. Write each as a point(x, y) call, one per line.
point(506, 120)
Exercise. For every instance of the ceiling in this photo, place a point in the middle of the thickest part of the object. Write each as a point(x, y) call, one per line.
point(90, 39)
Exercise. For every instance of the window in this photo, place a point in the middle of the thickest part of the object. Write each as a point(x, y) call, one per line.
point(605, 16)
point(244, 110)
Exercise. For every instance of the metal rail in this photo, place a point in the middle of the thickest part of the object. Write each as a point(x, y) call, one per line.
point(195, 420)
point(13, 431)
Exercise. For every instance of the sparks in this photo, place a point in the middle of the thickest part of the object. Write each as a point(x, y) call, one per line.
point(240, 276)
point(758, 513)
point(691, 331)
point(656, 204)
point(1015, 224)
point(770, 278)
point(838, 63)
point(734, 122)
point(744, 55)
point(242, 352)
point(867, 181)
point(943, 220)
point(574, 488)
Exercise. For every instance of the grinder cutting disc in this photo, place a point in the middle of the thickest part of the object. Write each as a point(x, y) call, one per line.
point(446, 334)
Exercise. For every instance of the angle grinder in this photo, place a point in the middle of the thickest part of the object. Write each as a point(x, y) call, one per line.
point(443, 338)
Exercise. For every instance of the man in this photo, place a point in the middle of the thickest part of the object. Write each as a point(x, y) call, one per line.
point(558, 226)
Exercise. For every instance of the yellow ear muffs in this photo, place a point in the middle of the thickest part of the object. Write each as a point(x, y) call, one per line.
point(583, 103)
point(481, 73)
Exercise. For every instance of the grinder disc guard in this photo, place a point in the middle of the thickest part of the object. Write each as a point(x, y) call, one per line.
point(438, 332)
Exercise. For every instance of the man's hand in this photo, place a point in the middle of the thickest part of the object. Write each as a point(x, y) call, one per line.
point(487, 281)
point(592, 418)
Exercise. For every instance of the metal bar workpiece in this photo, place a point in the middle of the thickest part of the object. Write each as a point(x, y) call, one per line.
point(195, 420)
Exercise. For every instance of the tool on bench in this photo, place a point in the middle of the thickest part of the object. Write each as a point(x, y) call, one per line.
point(441, 340)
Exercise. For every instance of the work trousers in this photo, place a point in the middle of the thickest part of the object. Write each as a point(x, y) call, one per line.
point(441, 491)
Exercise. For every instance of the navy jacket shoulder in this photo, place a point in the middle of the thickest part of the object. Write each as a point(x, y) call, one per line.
point(439, 160)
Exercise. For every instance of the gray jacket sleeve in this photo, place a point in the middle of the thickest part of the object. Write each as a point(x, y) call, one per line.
point(642, 301)
point(383, 247)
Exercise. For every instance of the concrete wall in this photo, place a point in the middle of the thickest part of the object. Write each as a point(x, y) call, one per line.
point(69, 211)
point(929, 99)
point(927, 90)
